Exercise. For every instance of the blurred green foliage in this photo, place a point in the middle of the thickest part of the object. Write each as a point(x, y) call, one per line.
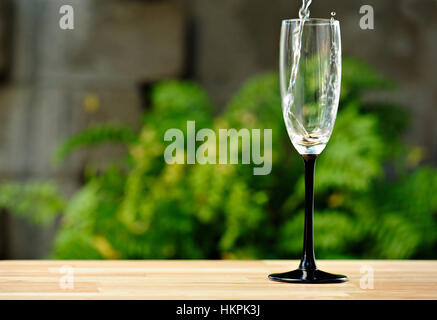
point(374, 199)
point(40, 202)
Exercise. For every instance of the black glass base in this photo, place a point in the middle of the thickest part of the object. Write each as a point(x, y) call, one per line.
point(308, 276)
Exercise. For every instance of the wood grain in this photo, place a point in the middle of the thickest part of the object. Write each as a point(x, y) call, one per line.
point(211, 279)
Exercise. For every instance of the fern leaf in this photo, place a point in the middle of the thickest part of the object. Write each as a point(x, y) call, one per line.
point(94, 136)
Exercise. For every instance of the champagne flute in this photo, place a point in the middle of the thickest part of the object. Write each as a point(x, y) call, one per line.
point(310, 76)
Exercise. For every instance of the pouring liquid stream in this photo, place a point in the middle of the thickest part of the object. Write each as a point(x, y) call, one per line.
point(304, 14)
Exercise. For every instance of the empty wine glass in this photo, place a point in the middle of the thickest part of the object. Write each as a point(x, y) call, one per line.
point(310, 76)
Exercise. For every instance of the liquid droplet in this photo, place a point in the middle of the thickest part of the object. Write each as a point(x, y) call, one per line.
point(332, 17)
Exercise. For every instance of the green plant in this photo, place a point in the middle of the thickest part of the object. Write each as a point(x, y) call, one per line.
point(155, 210)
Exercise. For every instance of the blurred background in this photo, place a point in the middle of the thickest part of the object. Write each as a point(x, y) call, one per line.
point(83, 112)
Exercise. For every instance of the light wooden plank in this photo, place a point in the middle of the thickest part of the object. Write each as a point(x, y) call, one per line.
point(211, 279)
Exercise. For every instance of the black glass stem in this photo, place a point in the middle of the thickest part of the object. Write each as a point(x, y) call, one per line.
point(308, 260)
point(307, 271)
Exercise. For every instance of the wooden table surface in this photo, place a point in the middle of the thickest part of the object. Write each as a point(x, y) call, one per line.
point(209, 279)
